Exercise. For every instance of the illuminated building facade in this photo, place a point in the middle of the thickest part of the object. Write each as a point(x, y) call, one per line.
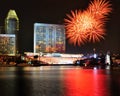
point(7, 44)
point(12, 26)
point(11, 22)
point(49, 38)
point(9, 34)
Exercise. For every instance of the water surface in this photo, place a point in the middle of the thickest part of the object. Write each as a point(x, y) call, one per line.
point(58, 81)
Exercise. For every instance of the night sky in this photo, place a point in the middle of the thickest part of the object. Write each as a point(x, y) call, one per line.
point(54, 12)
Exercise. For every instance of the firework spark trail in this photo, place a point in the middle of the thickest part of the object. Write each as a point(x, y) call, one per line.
point(100, 8)
point(74, 22)
point(89, 24)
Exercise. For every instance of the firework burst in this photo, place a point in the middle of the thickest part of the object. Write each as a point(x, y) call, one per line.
point(100, 8)
point(89, 24)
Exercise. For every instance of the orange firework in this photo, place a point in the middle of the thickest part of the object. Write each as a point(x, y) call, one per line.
point(89, 24)
point(100, 8)
point(74, 23)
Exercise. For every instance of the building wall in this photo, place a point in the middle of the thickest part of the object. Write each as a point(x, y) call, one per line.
point(49, 38)
point(7, 44)
point(11, 26)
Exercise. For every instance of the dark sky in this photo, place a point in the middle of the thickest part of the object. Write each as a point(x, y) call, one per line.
point(54, 12)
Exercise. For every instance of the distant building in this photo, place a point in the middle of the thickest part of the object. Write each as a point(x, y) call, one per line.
point(12, 26)
point(9, 34)
point(11, 22)
point(7, 44)
point(49, 38)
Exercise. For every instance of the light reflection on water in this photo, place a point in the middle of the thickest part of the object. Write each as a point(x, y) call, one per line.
point(87, 83)
point(58, 81)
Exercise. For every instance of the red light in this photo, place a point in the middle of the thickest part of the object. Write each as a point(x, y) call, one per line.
point(86, 83)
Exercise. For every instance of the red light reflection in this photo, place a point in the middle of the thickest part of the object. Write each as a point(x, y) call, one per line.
point(86, 83)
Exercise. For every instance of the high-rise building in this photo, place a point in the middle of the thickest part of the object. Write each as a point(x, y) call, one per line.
point(12, 26)
point(11, 22)
point(9, 34)
point(49, 38)
point(7, 44)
